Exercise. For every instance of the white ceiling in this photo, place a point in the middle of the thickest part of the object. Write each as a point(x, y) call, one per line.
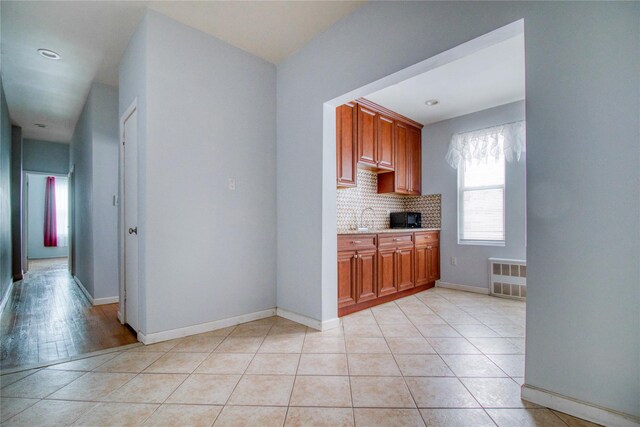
point(91, 36)
point(487, 78)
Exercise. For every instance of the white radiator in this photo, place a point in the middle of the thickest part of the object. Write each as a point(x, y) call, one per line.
point(508, 278)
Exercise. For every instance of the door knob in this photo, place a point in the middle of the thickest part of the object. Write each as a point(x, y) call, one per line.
point(133, 231)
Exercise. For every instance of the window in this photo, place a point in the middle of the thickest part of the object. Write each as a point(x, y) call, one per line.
point(481, 200)
point(62, 211)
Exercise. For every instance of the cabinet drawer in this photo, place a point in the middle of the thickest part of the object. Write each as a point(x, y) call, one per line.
point(427, 237)
point(395, 240)
point(356, 241)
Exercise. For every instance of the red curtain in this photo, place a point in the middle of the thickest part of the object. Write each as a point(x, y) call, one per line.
point(50, 230)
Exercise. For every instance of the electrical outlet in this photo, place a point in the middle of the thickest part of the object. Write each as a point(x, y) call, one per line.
point(454, 261)
point(231, 184)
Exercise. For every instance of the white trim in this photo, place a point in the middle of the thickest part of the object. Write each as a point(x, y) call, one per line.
point(204, 327)
point(6, 296)
point(83, 289)
point(466, 288)
point(330, 324)
point(92, 300)
point(578, 408)
point(122, 236)
point(308, 321)
point(106, 300)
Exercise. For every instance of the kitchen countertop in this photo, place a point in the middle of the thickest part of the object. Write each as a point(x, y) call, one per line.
point(387, 230)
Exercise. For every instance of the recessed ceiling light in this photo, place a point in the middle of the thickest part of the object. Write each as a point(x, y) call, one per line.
point(49, 54)
point(431, 102)
point(40, 125)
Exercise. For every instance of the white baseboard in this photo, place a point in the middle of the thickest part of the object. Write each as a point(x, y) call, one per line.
point(578, 408)
point(107, 300)
point(83, 289)
point(204, 327)
point(92, 300)
point(457, 287)
point(6, 296)
point(308, 321)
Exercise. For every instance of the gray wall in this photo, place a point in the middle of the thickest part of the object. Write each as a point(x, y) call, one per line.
point(133, 87)
point(94, 156)
point(45, 156)
point(210, 116)
point(438, 176)
point(81, 160)
point(105, 154)
point(5, 196)
point(583, 172)
point(16, 201)
point(37, 185)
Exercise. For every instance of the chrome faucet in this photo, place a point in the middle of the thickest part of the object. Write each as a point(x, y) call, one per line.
point(362, 217)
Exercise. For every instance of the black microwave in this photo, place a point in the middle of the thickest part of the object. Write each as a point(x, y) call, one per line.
point(406, 220)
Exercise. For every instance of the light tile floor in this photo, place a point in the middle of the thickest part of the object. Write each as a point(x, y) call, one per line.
point(438, 358)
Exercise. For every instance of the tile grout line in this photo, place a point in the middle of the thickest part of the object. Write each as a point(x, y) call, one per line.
point(404, 380)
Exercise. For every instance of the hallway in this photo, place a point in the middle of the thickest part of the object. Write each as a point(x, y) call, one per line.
point(48, 318)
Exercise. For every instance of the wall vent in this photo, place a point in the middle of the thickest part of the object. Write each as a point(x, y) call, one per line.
point(508, 278)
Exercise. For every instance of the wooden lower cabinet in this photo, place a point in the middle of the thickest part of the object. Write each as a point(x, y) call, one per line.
point(433, 262)
point(404, 268)
point(427, 258)
point(387, 283)
point(346, 278)
point(366, 262)
point(389, 266)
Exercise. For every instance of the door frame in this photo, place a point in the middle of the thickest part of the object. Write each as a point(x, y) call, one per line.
point(72, 217)
point(25, 216)
point(122, 315)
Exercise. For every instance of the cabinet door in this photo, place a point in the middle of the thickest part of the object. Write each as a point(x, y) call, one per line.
point(386, 151)
point(414, 152)
point(404, 268)
point(346, 145)
point(422, 266)
point(402, 168)
point(346, 278)
point(367, 147)
point(366, 276)
point(387, 272)
point(433, 263)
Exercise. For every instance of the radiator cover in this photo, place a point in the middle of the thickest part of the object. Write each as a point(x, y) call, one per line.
point(508, 278)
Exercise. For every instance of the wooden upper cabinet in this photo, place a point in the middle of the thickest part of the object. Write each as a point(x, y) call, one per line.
point(346, 145)
point(402, 154)
point(407, 175)
point(372, 137)
point(367, 147)
point(414, 151)
point(385, 142)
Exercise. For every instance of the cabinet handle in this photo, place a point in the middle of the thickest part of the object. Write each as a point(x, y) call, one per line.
point(355, 242)
point(429, 247)
point(356, 256)
point(395, 240)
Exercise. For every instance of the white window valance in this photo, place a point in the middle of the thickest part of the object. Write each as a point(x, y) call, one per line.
point(480, 144)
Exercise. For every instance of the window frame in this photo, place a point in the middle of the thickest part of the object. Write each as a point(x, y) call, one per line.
point(462, 189)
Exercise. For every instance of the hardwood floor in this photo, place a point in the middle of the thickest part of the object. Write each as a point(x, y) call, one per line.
point(48, 318)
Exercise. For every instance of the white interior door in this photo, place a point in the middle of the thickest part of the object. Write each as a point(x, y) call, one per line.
point(130, 148)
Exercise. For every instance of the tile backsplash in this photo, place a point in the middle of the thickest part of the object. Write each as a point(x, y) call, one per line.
point(351, 202)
